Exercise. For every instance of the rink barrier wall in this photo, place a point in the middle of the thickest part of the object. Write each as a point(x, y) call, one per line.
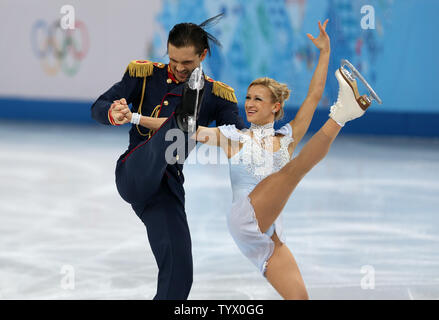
point(375, 123)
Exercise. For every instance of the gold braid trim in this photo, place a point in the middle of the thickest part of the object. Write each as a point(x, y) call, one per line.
point(154, 114)
point(139, 111)
point(140, 68)
point(224, 91)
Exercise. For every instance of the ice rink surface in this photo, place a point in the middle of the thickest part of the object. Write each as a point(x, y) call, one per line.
point(363, 224)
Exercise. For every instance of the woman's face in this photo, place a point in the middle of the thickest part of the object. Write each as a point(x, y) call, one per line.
point(259, 105)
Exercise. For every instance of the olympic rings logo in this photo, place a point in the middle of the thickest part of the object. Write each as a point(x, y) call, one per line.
point(60, 49)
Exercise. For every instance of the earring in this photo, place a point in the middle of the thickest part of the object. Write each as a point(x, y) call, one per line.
point(274, 111)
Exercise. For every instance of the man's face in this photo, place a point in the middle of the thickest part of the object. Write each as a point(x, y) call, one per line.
point(183, 61)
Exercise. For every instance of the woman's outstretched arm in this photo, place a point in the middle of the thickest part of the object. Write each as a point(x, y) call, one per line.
point(151, 122)
point(145, 121)
point(304, 116)
point(210, 136)
point(214, 137)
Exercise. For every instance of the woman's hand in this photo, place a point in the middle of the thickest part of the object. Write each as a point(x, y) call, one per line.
point(322, 42)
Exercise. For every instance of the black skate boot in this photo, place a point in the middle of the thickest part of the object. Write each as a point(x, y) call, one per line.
point(186, 113)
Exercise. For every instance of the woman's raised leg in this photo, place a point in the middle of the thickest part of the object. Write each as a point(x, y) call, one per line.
point(271, 194)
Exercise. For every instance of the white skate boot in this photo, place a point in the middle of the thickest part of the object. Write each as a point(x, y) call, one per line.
point(350, 105)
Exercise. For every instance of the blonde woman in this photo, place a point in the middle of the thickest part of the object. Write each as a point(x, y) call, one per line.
point(262, 173)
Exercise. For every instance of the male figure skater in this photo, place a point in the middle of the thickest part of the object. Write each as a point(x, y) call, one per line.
point(144, 178)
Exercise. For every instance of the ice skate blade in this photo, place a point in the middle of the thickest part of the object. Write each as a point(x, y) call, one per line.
point(196, 80)
point(363, 101)
point(352, 76)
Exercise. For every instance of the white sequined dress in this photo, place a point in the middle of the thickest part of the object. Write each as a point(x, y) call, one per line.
point(248, 167)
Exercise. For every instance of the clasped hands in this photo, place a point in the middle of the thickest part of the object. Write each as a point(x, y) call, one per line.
point(120, 112)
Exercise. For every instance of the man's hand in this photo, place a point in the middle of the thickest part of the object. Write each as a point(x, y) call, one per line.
point(120, 112)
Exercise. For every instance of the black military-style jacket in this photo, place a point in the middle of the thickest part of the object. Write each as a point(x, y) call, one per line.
point(152, 90)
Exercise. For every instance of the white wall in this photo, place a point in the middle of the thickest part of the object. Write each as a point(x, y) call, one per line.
point(119, 31)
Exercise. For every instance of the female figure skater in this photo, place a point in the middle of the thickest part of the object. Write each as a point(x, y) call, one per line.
point(262, 175)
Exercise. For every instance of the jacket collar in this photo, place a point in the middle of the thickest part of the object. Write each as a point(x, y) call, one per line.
point(171, 75)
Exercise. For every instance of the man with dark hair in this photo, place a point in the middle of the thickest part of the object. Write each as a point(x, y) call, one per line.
point(144, 178)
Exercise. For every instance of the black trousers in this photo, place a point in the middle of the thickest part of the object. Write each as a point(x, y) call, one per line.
point(141, 179)
point(170, 240)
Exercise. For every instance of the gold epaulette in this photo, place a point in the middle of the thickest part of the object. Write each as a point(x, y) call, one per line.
point(222, 90)
point(142, 68)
